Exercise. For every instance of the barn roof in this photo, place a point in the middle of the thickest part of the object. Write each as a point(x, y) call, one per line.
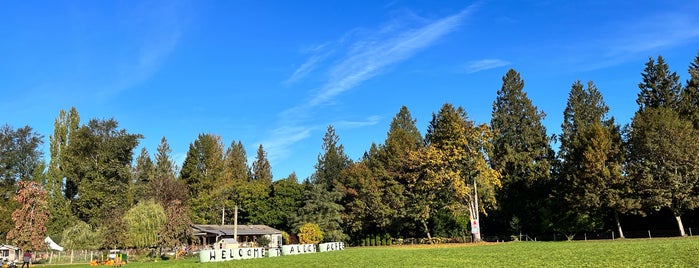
point(8, 247)
point(227, 230)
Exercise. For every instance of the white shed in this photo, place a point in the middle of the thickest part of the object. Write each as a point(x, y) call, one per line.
point(226, 243)
point(9, 253)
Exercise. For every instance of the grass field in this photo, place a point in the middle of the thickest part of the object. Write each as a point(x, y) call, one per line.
point(668, 252)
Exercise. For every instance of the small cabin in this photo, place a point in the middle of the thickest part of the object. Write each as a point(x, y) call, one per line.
point(9, 253)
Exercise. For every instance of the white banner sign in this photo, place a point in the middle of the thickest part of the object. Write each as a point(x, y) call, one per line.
point(474, 227)
point(214, 255)
point(298, 249)
point(274, 252)
point(331, 246)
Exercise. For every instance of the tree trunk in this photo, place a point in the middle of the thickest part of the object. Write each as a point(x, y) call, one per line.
point(427, 230)
point(475, 215)
point(477, 237)
point(679, 224)
point(618, 224)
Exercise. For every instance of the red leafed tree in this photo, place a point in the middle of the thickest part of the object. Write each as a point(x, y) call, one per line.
point(30, 219)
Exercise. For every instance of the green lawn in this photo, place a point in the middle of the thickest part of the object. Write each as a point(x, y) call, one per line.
point(671, 252)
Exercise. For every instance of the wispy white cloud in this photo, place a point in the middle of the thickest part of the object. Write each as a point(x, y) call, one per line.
point(160, 31)
point(357, 56)
point(318, 54)
point(648, 35)
point(277, 147)
point(485, 64)
point(305, 68)
point(634, 39)
point(369, 121)
point(391, 45)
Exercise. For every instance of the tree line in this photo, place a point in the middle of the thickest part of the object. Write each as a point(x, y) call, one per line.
point(93, 192)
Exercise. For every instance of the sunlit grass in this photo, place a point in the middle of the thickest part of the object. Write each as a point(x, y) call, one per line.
point(667, 252)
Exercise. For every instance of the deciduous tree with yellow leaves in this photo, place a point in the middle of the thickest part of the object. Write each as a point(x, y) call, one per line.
point(452, 170)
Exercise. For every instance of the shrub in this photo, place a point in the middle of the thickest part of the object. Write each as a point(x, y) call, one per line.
point(285, 238)
point(263, 241)
point(310, 233)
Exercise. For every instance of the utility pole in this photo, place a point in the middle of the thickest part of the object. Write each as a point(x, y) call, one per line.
point(223, 216)
point(235, 224)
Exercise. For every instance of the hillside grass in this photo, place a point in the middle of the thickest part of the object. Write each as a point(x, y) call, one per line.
point(660, 252)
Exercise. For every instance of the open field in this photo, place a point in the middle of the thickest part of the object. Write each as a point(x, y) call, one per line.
point(666, 252)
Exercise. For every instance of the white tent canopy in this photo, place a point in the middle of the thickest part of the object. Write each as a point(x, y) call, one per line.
point(52, 245)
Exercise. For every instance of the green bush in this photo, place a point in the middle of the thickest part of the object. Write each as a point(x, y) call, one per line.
point(263, 241)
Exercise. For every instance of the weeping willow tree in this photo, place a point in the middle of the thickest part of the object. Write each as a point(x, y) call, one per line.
point(144, 223)
point(80, 236)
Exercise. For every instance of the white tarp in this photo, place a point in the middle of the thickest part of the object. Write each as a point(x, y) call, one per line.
point(52, 245)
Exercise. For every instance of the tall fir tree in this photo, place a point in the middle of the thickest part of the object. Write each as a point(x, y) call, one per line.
point(202, 172)
point(164, 164)
point(236, 163)
point(145, 169)
point(373, 189)
point(324, 194)
point(663, 154)
point(261, 169)
point(591, 180)
point(523, 155)
point(171, 193)
point(238, 188)
point(253, 195)
point(143, 174)
point(164, 187)
point(331, 161)
point(690, 94)
point(659, 87)
point(402, 138)
point(388, 164)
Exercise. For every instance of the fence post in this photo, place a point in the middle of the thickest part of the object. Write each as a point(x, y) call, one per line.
point(690, 231)
point(612, 235)
point(585, 236)
point(649, 234)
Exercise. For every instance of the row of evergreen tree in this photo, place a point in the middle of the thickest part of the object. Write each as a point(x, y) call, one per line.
point(409, 186)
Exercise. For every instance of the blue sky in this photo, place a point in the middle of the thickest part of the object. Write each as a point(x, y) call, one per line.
point(277, 73)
